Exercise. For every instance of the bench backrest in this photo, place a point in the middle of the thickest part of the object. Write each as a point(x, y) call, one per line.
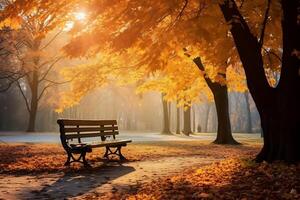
point(77, 129)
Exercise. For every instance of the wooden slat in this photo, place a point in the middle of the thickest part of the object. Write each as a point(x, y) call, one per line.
point(90, 129)
point(84, 135)
point(69, 122)
point(108, 142)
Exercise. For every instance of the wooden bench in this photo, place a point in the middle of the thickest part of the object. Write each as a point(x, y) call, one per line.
point(81, 136)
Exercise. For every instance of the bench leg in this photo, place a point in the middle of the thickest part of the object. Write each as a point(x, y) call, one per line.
point(119, 153)
point(116, 152)
point(85, 163)
point(68, 162)
point(72, 159)
point(107, 152)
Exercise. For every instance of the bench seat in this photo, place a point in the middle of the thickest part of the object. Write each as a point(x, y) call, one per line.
point(102, 143)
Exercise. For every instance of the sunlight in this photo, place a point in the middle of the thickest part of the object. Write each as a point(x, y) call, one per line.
point(80, 16)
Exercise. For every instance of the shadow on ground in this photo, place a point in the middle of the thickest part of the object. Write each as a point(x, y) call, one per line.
point(76, 184)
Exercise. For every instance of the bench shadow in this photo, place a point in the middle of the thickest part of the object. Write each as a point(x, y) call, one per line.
point(78, 183)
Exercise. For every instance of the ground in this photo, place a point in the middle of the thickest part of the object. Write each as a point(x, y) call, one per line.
point(159, 167)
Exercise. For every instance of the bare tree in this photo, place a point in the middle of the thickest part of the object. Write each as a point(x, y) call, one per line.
point(29, 69)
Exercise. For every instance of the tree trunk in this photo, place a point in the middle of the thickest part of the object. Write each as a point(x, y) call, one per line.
point(207, 111)
point(278, 107)
point(194, 119)
point(33, 102)
point(166, 117)
point(187, 128)
point(224, 135)
point(249, 120)
point(177, 120)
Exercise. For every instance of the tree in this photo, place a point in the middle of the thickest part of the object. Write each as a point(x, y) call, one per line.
point(30, 22)
point(10, 70)
point(187, 129)
point(224, 134)
point(34, 78)
point(143, 23)
point(160, 50)
point(177, 120)
point(249, 120)
point(176, 85)
point(278, 107)
point(206, 114)
point(194, 126)
point(166, 116)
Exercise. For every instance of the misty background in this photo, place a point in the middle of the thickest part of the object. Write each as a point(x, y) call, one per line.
point(133, 112)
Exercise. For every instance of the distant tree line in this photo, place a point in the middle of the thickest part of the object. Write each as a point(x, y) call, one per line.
point(145, 114)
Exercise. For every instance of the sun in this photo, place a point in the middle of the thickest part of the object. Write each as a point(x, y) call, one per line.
point(80, 16)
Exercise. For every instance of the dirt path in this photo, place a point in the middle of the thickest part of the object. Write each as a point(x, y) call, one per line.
point(102, 182)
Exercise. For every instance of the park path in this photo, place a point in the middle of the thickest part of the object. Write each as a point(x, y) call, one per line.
point(101, 182)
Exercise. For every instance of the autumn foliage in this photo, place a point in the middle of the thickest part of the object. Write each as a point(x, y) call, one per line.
point(153, 44)
point(229, 179)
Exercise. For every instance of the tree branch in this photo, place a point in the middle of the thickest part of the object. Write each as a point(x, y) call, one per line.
point(272, 53)
point(242, 3)
point(58, 83)
point(202, 6)
point(264, 24)
point(249, 52)
point(51, 84)
point(12, 80)
point(49, 69)
point(200, 65)
point(44, 90)
point(24, 96)
point(7, 74)
point(7, 87)
point(186, 2)
point(54, 37)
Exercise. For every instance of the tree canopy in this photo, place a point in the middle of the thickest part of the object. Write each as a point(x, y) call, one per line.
point(155, 44)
